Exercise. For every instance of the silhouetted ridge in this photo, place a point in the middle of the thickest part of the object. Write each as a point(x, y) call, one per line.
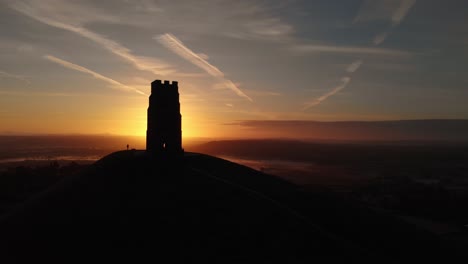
point(134, 206)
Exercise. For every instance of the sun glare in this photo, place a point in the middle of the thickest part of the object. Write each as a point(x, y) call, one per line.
point(138, 126)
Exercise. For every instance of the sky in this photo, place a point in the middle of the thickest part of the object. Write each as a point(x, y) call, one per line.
point(86, 66)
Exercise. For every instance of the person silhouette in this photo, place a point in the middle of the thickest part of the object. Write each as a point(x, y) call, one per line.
point(128, 146)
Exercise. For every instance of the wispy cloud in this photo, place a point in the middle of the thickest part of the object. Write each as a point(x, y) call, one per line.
point(350, 50)
point(344, 82)
point(397, 17)
point(272, 28)
point(354, 66)
point(25, 48)
point(176, 46)
point(14, 76)
point(264, 93)
point(370, 9)
point(393, 11)
point(113, 83)
point(350, 69)
point(147, 6)
point(35, 94)
point(402, 11)
point(380, 38)
point(150, 64)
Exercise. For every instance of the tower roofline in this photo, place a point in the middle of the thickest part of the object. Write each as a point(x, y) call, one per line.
point(160, 82)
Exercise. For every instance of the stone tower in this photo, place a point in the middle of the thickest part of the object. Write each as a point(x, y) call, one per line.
point(164, 131)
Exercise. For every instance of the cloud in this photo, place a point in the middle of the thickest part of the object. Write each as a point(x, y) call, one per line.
point(402, 11)
point(397, 17)
point(271, 28)
point(176, 46)
point(147, 6)
point(393, 10)
point(380, 38)
point(15, 76)
point(264, 93)
point(152, 65)
point(25, 48)
point(350, 50)
point(344, 82)
point(235, 19)
point(114, 84)
point(35, 94)
point(203, 56)
point(354, 66)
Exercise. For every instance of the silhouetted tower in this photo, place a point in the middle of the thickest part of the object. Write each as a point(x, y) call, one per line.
point(164, 132)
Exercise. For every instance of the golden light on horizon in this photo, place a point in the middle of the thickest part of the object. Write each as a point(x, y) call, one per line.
point(134, 123)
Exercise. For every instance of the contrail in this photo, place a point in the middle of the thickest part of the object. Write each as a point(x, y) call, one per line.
point(349, 50)
point(15, 76)
point(149, 64)
point(380, 38)
point(402, 10)
point(344, 82)
point(354, 66)
point(176, 46)
point(114, 83)
point(395, 11)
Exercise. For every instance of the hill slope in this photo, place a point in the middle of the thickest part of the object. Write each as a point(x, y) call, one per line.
point(132, 206)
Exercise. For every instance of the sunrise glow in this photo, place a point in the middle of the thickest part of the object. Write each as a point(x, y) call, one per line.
point(90, 70)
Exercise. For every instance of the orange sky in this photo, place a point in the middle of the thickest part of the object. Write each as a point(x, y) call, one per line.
point(86, 67)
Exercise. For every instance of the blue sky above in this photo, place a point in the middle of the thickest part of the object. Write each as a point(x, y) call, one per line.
point(93, 61)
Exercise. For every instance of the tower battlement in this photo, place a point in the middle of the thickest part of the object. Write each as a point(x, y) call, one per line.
point(158, 84)
point(164, 127)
